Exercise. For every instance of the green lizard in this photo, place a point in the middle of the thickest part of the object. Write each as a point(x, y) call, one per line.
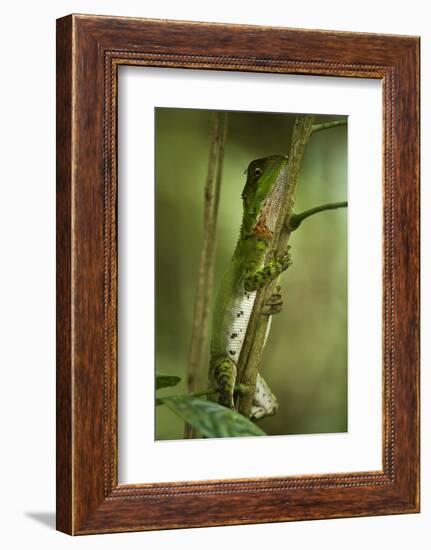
point(248, 271)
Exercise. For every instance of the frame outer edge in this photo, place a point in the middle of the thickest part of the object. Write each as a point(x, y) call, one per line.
point(407, 274)
point(81, 506)
point(64, 368)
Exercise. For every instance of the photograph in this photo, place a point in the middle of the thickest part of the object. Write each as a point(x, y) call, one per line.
point(251, 279)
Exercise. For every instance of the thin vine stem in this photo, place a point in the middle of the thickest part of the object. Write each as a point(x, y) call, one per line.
point(295, 220)
point(204, 393)
point(328, 125)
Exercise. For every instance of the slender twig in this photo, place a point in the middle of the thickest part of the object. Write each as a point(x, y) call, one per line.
point(240, 388)
point(255, 336)
point(327, 125)
point(295, 220)
point(204, 285)
point(194, 394)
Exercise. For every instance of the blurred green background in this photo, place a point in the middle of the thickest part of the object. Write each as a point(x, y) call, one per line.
point(305, 360)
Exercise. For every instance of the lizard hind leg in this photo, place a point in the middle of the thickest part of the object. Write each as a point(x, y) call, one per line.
point(264, 402)
point(225, 377)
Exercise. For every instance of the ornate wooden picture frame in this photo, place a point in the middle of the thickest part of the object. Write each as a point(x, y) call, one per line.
point(89, 51)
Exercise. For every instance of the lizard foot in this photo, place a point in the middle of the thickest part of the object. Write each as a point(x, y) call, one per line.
point(274, 304)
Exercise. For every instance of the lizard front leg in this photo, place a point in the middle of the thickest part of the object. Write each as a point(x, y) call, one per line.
point(262, 277)
point(224, 374)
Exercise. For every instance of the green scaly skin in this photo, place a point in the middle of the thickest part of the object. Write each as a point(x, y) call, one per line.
point(247, 272)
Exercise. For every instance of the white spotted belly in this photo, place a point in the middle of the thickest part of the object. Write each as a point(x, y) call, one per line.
point(237, 328)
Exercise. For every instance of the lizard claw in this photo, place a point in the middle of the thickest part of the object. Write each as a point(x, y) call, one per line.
point(274, 304)
point(285, 259)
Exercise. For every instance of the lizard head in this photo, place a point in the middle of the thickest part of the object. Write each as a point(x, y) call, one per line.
point(262, 195)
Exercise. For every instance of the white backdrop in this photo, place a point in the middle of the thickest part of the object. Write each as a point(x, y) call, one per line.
point(27, 313)
point(141, 459)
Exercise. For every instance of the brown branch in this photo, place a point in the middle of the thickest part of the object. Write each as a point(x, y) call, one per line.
point(254, 340)
point(204, 286)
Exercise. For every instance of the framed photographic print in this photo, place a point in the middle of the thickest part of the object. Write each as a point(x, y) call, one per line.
point(237, 274)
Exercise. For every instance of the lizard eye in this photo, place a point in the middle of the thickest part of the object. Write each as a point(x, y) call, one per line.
point(257, 172)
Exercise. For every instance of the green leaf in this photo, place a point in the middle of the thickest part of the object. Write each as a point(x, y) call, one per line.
point(211, 419)
point(166, 380)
